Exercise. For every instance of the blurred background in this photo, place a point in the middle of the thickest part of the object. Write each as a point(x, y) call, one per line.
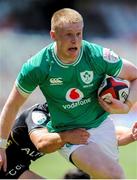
point(24, 30)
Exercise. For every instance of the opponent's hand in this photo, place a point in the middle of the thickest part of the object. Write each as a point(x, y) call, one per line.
point(115, 107)
point(134, 131)
point(76, 136)
point(3, 159)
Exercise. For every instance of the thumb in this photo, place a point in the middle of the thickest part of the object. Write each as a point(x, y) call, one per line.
point(5, 165)
point(4, 161)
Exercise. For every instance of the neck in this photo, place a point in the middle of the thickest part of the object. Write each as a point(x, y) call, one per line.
point(65, 60)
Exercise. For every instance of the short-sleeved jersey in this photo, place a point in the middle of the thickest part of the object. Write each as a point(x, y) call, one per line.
point(70, 89)
point(20, 150)
point(33, 118)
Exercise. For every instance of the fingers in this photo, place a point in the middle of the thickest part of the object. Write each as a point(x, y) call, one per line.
point(84, 134)
point(104, 104)
point(3, 160)
point(78, 136)
point(134, 131)
point(0, 161)
point(115, 107)
point(5, 165)
point(84, 137)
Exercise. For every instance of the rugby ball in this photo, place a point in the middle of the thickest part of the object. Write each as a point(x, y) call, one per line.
point(114, 87)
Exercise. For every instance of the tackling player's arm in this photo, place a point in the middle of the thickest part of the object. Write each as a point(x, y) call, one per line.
point(49, 142)
point(126, 135)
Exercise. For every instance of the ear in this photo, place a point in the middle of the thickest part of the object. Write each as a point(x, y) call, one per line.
point(53, 35)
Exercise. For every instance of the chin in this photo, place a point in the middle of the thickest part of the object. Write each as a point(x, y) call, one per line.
point(74, 55)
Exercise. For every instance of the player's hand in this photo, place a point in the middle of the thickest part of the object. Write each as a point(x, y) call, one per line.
point(3, 159)
point(115, 107)
point(134, 131)
point(76, 136)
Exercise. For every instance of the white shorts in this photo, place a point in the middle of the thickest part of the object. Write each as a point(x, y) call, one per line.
point(104, 136)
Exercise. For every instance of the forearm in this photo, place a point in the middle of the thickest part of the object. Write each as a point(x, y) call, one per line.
point(132, 98)
point(9, 112)
point(125, 139)
point(49, 142)
point(7, 118)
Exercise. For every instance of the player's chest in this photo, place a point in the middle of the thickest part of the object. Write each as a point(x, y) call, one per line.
point(62, 81)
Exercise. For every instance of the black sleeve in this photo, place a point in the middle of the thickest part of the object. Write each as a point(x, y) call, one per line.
point(38, 117)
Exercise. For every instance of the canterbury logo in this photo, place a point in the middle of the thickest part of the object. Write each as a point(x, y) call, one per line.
point(56, 81)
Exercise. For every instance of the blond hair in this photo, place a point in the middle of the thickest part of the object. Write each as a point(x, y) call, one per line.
point(65, 16)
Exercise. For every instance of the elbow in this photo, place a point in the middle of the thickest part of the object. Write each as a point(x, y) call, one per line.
point(44, 147)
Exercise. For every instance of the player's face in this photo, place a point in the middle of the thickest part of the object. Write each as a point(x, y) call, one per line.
point(68, 41)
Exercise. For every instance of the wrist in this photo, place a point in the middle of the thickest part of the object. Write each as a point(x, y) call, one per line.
point(133, 138)
point(3, 143)
point(64, 137)
point(129, 103)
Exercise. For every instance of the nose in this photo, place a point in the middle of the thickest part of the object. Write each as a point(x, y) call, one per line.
point(74, 39)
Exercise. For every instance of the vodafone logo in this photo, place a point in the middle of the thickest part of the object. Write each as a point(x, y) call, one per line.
point(74, 95)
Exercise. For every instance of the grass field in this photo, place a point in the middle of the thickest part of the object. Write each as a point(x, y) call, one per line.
point(53, 166)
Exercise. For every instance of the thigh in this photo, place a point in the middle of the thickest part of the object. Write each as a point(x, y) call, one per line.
point(104, 136)
point(30, 175)
point(92, 160)
point(99, 157)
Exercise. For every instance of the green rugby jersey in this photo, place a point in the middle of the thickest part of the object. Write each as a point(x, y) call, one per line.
point(70, 89)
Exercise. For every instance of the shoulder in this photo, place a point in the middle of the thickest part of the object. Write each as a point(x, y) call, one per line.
point(38, 117)
point(91, 45)
point(24, 115)
point(42, 57)
point(39, 63)
point(34, 117)
point(92, 48)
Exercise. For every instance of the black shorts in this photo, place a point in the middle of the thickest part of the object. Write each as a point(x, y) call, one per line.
point(17, 160)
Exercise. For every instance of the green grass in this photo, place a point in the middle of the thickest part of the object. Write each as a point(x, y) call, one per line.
point(128, 160)
point(53, 166)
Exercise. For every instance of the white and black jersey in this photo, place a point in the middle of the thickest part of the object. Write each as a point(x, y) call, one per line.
point(20, 150)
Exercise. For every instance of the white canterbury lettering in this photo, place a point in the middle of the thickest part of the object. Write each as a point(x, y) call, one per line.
point(56, 81)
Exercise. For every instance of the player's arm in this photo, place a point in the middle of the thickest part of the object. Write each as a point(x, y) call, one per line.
point(9, 112)
point(7, 117)
point(129, 72)
point(126, 135)
point(49, 142)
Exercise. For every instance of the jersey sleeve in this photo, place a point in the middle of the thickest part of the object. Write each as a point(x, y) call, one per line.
point(38, 117)
point(106, 61)
point(32, 73)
